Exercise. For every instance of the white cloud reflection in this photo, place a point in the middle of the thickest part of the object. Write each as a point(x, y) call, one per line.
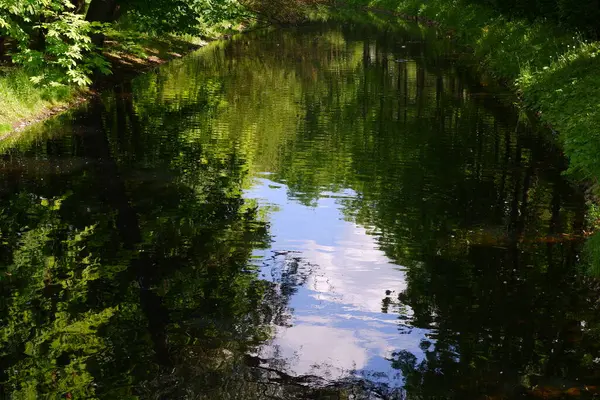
point(338, 325)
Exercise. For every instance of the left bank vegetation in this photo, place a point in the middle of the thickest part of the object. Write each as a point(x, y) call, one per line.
point(51, 51)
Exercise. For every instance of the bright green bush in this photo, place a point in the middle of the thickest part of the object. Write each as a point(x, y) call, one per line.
point(50, 41)
point(54, 39)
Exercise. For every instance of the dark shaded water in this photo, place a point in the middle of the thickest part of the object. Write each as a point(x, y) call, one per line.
point(334, 212)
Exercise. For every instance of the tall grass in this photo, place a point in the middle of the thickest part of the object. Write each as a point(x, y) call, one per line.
point(21, 99)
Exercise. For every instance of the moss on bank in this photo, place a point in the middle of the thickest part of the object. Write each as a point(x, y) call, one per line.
point(555, 73)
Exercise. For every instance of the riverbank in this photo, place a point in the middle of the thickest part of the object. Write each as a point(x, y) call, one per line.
point(24, 103)
point(553, 71)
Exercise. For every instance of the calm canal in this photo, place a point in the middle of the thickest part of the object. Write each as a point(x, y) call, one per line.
point(335, 211)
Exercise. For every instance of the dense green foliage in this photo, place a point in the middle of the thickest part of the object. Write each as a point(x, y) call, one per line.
point(57, 40)
point(579, 14)
point(181, 17)
point(49, 36)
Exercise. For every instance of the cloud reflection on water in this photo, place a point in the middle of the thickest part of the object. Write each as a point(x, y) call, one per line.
point(337, 328)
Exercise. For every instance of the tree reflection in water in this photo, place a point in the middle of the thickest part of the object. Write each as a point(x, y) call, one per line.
point(129, 254)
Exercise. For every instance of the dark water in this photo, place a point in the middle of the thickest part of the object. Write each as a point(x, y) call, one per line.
point(335, 211)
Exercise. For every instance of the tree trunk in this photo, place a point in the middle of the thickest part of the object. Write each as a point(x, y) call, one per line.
point(114, 193)
point(101, 11)
point(39, 37)
point(79, 6)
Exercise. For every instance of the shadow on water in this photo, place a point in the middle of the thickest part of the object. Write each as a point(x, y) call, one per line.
point(330, 212)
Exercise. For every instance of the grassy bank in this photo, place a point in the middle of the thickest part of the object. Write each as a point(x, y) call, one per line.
point(555, 73)
point(23, 102)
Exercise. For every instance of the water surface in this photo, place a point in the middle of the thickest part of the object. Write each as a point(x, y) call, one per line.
point(330, 211)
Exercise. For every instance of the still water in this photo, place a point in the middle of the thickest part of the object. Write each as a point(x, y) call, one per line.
point(335, 211)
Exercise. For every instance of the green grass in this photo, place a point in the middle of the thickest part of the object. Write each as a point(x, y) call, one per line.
point(21, 99)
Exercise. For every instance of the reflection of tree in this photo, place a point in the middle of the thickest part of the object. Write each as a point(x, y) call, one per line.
point(453, 189)
point(126, 270)
point(126, 282)
point(486, 228)
point(128, 274)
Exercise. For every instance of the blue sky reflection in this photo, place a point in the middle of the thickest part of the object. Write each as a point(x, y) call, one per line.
point(337, 327)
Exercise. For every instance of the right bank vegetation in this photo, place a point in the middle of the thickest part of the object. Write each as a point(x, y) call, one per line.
point(548, 52)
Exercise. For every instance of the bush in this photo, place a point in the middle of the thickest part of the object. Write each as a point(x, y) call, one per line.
point(579, 14)
point(282, 11)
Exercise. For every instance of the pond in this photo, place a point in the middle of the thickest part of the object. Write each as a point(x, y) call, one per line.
point(332, 211)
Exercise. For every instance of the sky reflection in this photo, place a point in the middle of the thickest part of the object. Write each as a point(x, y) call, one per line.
point(337, 328)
